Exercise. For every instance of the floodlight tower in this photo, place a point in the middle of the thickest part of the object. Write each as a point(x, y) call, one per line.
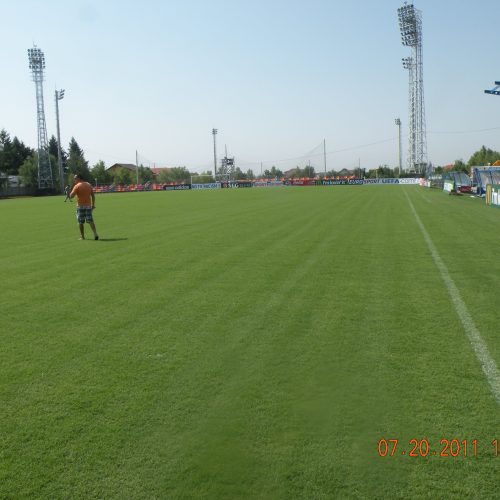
point(37, 65)
point(227, 167)
point(410, 24)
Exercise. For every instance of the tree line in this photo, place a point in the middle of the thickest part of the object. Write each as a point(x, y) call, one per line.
point(17, 159)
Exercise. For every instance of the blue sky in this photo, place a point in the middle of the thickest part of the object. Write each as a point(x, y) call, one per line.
point(274, 77)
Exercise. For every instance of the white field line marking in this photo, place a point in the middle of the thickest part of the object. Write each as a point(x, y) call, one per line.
point(487, 362)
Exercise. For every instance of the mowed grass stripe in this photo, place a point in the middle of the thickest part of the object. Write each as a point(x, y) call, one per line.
point(487, 363)
point(263, 355)
point(465, 233)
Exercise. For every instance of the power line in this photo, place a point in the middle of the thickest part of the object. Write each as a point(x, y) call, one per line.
point(311, 154)
point(465, 131)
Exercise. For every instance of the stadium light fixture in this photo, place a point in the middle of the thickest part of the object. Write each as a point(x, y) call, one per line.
point(409, 25)
point(407, 62)
point(36, 59)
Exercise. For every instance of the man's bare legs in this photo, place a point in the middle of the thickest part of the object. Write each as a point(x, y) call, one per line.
point(82, 230)
point(92, 225)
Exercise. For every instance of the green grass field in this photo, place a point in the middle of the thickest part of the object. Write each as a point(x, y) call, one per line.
point(247, 344)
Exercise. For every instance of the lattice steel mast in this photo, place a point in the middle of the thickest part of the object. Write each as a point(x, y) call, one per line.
point(410, 24)
point(37, 65)
point(227, 167)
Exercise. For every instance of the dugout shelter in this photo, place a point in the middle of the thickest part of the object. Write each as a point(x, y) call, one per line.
point(485, 175)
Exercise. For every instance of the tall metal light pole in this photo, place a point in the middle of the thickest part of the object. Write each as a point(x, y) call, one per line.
point(37, 65)
point(410, 24)
point(137, 166)
point(214, 132)
point(324, 153)
point(398, 123)
point(58, 96)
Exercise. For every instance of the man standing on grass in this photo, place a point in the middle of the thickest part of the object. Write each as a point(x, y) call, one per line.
point(67, 190)
point(85, 203)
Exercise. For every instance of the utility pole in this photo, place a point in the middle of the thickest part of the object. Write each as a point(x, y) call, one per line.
point(398, 123)
point(214, 133)
point(324, 153)
point(59, 95)
point(136, 166)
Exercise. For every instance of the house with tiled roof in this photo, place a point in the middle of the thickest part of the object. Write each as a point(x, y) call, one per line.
point(117, 166)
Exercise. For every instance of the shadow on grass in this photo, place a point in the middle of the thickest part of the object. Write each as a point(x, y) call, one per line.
point(113, 239)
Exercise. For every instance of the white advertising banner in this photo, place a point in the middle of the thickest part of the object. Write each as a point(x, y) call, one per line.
point(211, 185)
point(404, 180)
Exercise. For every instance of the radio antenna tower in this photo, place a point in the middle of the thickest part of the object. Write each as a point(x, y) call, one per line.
point(410, 24)
point(37, 65)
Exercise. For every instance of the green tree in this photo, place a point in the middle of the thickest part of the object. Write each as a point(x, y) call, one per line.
point(19, 153)
point(334, 173)
point(180, 174)
point(309, 171)
point(250, 175)
point(99, 173)
point(29, 171)
point(273, 173)
point(53, 149)
point(76, 163)
point(485, 156)
point(238, 174)
point(382, 172)
point(55, 171)
point(175, 174)
point(164, 176)
point(460, 166)
point(13, 153)
point(123, 176)
point(145, 175)
point(5, 145)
